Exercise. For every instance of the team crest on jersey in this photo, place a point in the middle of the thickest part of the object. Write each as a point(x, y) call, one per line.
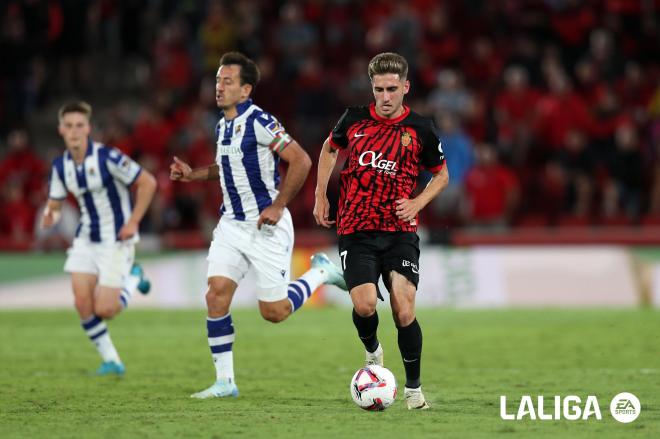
point(91, 171)
point(274, 127)
point(237, 130)
point(406, 139)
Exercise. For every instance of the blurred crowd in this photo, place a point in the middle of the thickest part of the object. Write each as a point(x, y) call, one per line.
point(548, 110)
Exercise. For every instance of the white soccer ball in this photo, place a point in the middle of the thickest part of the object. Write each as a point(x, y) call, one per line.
point(373, 388)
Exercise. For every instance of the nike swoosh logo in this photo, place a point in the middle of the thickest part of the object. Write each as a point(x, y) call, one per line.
point(409, 361)
point(360, 135)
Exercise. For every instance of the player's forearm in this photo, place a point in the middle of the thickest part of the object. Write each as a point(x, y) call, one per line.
point(327, 161)
point(146, 188)
point(211, 172)
point(433, 188)
point(296, 175)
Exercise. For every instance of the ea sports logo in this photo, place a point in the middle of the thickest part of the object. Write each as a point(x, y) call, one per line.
point(625, 407)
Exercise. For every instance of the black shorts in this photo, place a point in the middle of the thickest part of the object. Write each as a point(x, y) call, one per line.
point(367, 255)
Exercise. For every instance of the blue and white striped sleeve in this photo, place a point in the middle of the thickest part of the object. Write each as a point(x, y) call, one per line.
point(122, 167)
point(56, 187)
point(271, 133)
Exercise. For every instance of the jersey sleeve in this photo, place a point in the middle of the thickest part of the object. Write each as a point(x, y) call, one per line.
point(270, 132)
point(122, 167)
point(56, 187)
point(338, 136)
point(432, 156)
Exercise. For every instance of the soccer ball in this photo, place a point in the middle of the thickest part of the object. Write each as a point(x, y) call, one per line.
point(373, 388)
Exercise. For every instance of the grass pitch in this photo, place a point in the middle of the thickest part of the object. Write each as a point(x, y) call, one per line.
point(294, 377)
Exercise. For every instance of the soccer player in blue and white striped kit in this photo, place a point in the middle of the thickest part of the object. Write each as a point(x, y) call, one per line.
point(101, 258)
point(255, 228)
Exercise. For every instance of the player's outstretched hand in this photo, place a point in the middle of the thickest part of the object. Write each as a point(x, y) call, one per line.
point(180, 170)
point(322, 212)
point(407, 209)
point(270, 215)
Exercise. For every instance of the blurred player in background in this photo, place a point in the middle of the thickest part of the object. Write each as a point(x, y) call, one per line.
point(255, 227)
point(377, 218)
point(103, 274)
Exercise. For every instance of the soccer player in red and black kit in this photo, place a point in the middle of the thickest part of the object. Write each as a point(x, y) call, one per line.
point(377, 219)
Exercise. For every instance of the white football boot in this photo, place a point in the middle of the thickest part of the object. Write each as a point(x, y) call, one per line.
point(415, 399)
point(220, 389)
point(375, 357)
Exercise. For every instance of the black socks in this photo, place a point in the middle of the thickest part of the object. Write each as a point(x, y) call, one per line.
point(410, 345)
point(366, 328)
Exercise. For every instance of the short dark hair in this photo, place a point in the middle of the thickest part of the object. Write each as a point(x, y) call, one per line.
point(388, 62)
point(75, 107)
point(249, 71)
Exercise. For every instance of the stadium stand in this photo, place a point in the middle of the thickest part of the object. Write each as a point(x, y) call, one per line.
point(549, 110)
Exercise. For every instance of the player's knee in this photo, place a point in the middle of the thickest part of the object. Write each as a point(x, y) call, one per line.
point(364, 308)
point(404, 317)
point(274, 318)
point(105, 310)
point(211, 296)
point(217, 301)
point(274, 315)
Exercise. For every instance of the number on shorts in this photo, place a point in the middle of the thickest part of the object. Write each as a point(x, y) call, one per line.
point(343, 259)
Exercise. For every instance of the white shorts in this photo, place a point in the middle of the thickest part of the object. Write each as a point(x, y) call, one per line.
point(111, 262)
point(237, 245)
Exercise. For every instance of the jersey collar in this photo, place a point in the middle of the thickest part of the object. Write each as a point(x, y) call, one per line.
point(240, 108)
point(90, 150)
point(372, 110)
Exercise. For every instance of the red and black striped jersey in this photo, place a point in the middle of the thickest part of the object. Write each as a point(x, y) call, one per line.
point(385, 157)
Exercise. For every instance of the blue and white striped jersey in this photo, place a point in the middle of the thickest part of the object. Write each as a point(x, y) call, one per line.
point(247, 156)
point(100, 185)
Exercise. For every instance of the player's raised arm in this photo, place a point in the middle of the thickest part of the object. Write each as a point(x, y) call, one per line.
point(327, 161)
point(181, 171)
point(296, 174)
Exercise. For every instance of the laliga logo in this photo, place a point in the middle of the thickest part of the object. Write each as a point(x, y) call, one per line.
point(625, 407)
point(569, 407)
point(370, 158)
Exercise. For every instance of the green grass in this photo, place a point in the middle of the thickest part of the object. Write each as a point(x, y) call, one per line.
point(294, 376)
